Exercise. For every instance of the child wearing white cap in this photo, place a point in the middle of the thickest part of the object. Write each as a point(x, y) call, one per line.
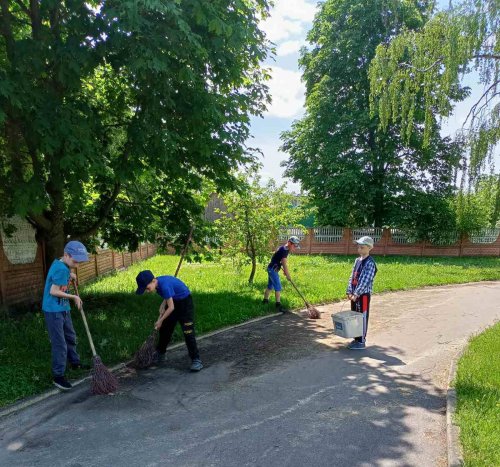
point(360, 287)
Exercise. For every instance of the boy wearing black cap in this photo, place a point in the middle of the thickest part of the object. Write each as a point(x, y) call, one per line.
point(360, 287)
point(278, 261)
point(56, 310)
point(177, 306)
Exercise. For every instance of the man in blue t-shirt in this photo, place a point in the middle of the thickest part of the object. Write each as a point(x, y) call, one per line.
point(56, 310)
point(278, 261)
point(177, 306)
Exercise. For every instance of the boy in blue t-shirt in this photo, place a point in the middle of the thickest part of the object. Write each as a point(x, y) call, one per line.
point(177, 306)
point(278, 261)
point(360, 287)
point(56, 310)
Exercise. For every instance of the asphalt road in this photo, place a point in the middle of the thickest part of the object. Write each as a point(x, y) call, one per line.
point(280, 392)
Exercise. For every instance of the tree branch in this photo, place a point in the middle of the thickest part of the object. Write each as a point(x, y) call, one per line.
point(487, 56)
point(423, 70)
point(473, 109)
point(23, 7)
point(36, 23)
point(40, 221)
point(103, 212)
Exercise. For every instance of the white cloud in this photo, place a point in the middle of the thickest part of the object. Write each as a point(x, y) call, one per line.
point(288, 48)
point(302, 10)
point(289, 18)
point(278, 28)
point(287, 92)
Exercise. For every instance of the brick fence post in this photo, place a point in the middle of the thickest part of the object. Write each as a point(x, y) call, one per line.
point(347, 239)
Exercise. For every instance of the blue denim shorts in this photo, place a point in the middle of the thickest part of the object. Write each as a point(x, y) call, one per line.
point(274, 280)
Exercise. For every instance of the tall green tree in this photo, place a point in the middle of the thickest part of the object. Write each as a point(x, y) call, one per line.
point(425, 67)
point(478, 207)
point(252, 219)
point(356, 173)
point(113, 113)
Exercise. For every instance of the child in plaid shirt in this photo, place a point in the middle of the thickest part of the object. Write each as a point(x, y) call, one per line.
point(360, 287)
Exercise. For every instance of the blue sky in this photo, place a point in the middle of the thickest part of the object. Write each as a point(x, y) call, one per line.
point(287, 27)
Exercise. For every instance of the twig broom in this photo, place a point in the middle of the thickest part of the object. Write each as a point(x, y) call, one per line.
point(312, 312)
point(103, 381)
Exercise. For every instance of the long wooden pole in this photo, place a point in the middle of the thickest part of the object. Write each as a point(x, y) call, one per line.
point(184, 250)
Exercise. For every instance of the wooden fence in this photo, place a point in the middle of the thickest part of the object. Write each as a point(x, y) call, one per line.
point(23, 283)
point(22, 277)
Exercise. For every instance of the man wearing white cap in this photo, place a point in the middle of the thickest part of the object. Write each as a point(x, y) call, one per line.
point(360, 287)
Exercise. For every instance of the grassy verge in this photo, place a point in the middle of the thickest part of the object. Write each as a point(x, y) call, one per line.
point(478, 399)
point(120, 320)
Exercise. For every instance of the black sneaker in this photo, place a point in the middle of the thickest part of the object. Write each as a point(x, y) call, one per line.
point(281, 308)
point(265, 301)
point(62, 383)
point(80, 366)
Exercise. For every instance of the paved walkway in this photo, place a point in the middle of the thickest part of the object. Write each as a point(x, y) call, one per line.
point(281, 392)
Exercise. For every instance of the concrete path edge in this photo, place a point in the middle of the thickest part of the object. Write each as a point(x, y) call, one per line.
point(455, 456)
point(29, 401)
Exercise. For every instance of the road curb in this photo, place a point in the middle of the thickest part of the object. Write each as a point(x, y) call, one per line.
point(30, 401)
point(455, 457)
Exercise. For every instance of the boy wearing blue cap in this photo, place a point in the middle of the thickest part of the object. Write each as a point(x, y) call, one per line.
point(56, 309)
point(177, 306)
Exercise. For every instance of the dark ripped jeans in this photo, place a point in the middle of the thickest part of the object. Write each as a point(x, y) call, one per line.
point(184, 315)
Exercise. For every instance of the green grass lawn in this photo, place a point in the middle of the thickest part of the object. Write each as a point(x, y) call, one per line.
point(478, 399)
point(120, 321)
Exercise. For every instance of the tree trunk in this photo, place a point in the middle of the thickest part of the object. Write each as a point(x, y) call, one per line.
point(54, 246)
point(254, 269)
point(55, 237)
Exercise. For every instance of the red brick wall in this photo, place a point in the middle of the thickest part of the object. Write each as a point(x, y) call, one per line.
point(386, 246)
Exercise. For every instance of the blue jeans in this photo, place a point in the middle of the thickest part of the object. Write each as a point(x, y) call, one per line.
point(63, 340)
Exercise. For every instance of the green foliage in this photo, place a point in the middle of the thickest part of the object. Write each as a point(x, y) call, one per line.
point(428, 217)
point(356, 173)
point(114, 114)
point(120, 320)
point(427, 65)
point(478, 208)
point(252, 219)
point(478, 399)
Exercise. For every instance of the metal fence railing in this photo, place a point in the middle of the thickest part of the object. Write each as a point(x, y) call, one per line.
point(286, 232)
point(484, 236)
point(373, 232)
point(328, 234)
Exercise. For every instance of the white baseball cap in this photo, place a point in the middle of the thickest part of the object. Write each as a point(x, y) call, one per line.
point(295, 240)
point(368, 241)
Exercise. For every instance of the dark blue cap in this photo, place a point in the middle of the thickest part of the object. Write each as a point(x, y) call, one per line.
point(77, 251)
point(143, 279)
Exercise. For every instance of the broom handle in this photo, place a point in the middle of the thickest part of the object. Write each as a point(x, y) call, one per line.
point(85, 323)
point(301, 296)
point(184, 251)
